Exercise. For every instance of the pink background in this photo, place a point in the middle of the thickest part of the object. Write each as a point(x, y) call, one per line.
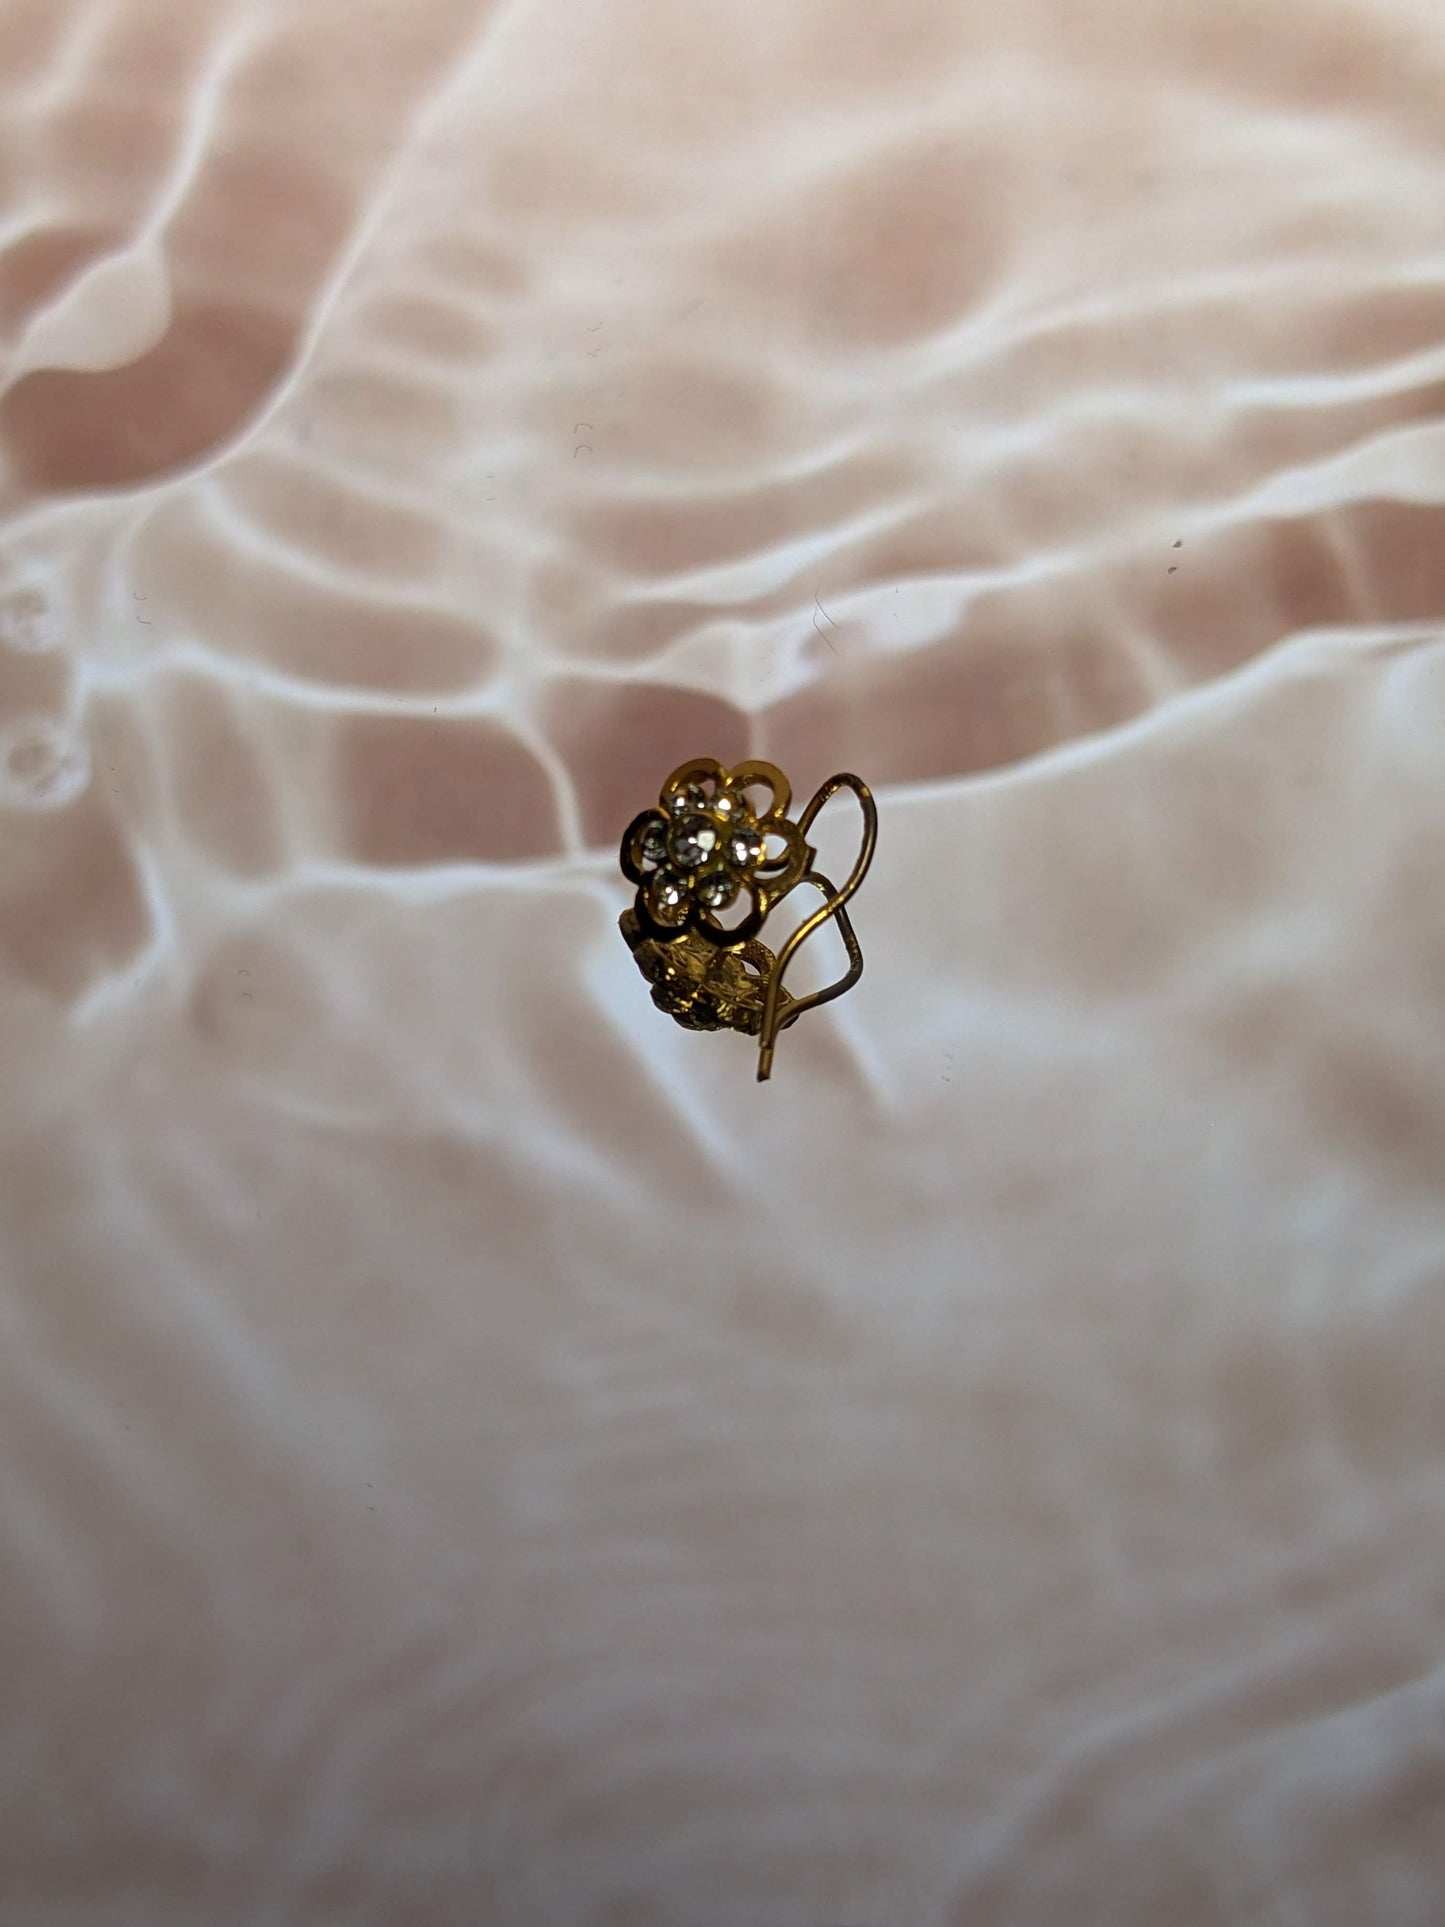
point(468, 1454)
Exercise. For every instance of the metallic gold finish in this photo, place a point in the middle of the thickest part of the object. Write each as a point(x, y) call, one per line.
point(704, 848)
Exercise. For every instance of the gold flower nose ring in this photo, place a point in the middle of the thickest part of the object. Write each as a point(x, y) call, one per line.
point(707, 849)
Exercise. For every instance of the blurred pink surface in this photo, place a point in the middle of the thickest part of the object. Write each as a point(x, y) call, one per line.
point(467, 1453)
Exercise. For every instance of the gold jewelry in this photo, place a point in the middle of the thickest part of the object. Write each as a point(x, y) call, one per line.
point(704, 848)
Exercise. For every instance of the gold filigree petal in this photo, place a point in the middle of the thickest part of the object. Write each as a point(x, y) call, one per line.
point(632, 856)
point(743, 928)
point(768, 776)
point(780, 872)
point(688, 783)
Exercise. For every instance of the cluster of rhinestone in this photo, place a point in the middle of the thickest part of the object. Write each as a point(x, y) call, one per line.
point(705, 847)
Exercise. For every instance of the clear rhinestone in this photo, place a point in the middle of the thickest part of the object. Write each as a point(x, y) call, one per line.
point(693, 841)
point(654, 844)
point(692, 796)
point(666, 897)
point(745, 848)
point(717, 891)
point(725, 804)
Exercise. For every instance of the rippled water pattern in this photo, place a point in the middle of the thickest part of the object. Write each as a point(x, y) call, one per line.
point(469, 1456)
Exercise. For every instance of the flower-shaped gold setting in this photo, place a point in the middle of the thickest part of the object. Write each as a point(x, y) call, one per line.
point(708, 848)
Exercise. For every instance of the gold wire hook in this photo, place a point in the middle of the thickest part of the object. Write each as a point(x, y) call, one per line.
point(833, 907)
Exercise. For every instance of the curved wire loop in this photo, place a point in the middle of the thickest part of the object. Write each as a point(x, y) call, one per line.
point(772, 1021)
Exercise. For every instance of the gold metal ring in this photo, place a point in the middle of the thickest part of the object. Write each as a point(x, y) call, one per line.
point(707, 849)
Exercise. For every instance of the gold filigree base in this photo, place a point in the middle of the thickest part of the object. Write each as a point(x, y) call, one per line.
point(700, 985)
